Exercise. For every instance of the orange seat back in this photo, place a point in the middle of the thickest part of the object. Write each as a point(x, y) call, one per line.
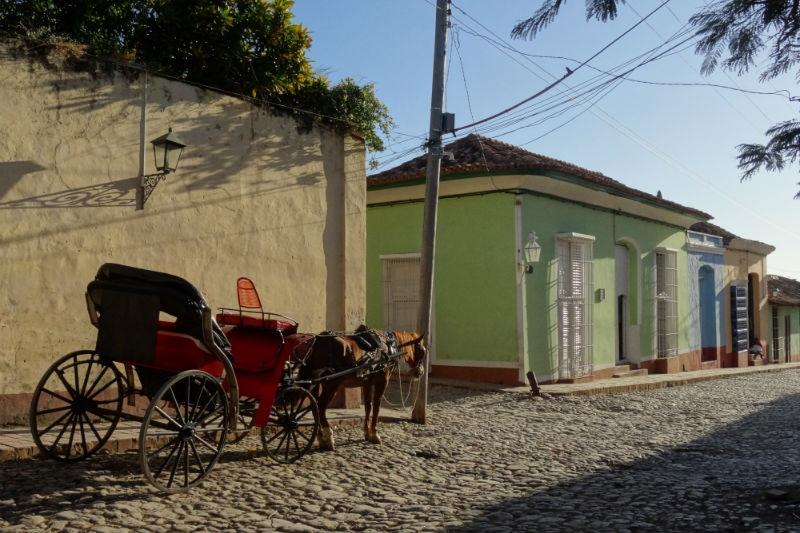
point(248, 295)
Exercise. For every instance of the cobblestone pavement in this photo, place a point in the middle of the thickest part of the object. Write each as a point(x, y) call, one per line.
point(720, 455)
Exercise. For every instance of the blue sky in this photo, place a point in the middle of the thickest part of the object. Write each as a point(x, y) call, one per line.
point(679, 140)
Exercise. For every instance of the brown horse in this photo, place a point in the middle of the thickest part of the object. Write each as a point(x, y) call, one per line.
point(332, 353)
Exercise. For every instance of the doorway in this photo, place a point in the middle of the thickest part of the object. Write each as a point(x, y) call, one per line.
point(708, 313)
point(787, 338)
point(621, 284)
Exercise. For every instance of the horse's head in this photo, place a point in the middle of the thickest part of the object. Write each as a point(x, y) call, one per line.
point(414, 350)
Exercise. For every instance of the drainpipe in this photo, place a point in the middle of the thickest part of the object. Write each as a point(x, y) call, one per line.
point(142, 136)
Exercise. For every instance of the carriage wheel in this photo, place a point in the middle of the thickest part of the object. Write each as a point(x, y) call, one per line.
point(76, 406)
point(183, 431)
point(293, 425)
point(244, 420)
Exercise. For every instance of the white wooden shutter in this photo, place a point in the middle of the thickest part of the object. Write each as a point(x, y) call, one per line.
point(667, 303)
point(574, 308)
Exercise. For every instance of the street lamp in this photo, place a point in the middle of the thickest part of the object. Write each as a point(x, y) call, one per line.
point(532, 251)
point(167, 151)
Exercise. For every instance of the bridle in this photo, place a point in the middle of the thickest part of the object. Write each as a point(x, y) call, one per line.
point(415, 343)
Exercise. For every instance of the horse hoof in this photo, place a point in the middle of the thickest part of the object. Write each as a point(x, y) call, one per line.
point(374, 438)
point(325, 440)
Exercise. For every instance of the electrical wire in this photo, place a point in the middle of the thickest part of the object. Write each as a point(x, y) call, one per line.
point(638, 139)
point(569, 72)
point(466, 91)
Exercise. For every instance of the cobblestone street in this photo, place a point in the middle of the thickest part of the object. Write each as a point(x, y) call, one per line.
point(720, 455)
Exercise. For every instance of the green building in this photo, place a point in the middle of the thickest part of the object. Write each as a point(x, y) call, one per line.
point(784, 307)
point(610, 287)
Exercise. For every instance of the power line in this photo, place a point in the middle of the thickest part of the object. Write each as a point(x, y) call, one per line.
point(466, 91)
point(686, 62)
point(649, 56)
point(569, 72)
point(777, 92)
point(725, 73)
point(637, 138)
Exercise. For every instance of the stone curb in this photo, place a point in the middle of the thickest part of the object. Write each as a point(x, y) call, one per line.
point(17, 445)
point(620, 385)
point(673, 380)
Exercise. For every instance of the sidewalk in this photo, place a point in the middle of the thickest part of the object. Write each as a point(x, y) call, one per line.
point(624, 384)
point(17, 443)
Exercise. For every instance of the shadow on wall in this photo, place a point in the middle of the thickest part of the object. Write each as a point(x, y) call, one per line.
point(13, 171)
point(120, 193)
point(221, 133)
point(716, 483)
point(333, 235)
point(219, 129)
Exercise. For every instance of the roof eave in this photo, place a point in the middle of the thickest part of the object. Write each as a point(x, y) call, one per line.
point(747, 245)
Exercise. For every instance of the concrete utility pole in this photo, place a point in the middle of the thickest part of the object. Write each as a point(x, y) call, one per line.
point(431, 197)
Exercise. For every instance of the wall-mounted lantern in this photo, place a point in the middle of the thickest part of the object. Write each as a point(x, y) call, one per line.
point(532, 250)
point(167, 151)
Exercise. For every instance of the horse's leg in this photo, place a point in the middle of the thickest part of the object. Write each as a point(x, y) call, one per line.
point(366, 394)
point(325, 438)
point(379, 383)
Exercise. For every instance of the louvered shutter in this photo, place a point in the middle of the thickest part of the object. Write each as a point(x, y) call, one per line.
point(574, 308)
point(666, 303)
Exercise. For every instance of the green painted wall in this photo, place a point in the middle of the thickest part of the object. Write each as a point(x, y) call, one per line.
point(474, 288)
point(794, 316)
point(548, 217)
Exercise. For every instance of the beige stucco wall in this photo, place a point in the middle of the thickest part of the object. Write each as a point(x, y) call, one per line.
point(738, 264)
point(253, 196)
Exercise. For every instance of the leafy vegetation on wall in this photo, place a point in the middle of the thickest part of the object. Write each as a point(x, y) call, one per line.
point(250, 47)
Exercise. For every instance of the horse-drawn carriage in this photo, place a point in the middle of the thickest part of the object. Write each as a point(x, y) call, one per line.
point(204, 378)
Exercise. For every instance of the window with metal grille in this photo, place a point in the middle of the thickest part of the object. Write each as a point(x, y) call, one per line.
point(667, 303)
point(574, 307)
point(740, 330)
point(777, 340)
point(401, 292)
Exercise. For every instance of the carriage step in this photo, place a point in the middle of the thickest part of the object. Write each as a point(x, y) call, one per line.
point(631, 373)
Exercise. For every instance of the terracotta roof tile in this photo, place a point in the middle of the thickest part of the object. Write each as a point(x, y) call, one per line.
point(468, 157)
point(783, 291)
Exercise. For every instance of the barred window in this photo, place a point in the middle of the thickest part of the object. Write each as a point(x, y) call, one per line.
point(667, 303)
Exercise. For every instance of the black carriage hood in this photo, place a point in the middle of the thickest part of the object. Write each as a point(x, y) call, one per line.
point(134, 275)
point(177, 296)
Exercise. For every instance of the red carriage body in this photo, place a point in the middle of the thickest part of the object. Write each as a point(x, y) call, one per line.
point(196, 371)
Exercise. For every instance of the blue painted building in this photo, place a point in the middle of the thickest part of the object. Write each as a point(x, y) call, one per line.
point(706, 297)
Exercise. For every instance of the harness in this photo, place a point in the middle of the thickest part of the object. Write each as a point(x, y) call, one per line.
point(378, 353)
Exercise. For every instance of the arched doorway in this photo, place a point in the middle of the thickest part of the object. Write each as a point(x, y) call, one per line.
point(708, 313)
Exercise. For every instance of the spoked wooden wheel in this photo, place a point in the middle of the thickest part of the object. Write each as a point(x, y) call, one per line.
point(293, 425)
point(244, 420)
point(183, 431)
point(76, 406)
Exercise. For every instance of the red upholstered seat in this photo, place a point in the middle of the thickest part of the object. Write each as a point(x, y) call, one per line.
point(257, 321)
